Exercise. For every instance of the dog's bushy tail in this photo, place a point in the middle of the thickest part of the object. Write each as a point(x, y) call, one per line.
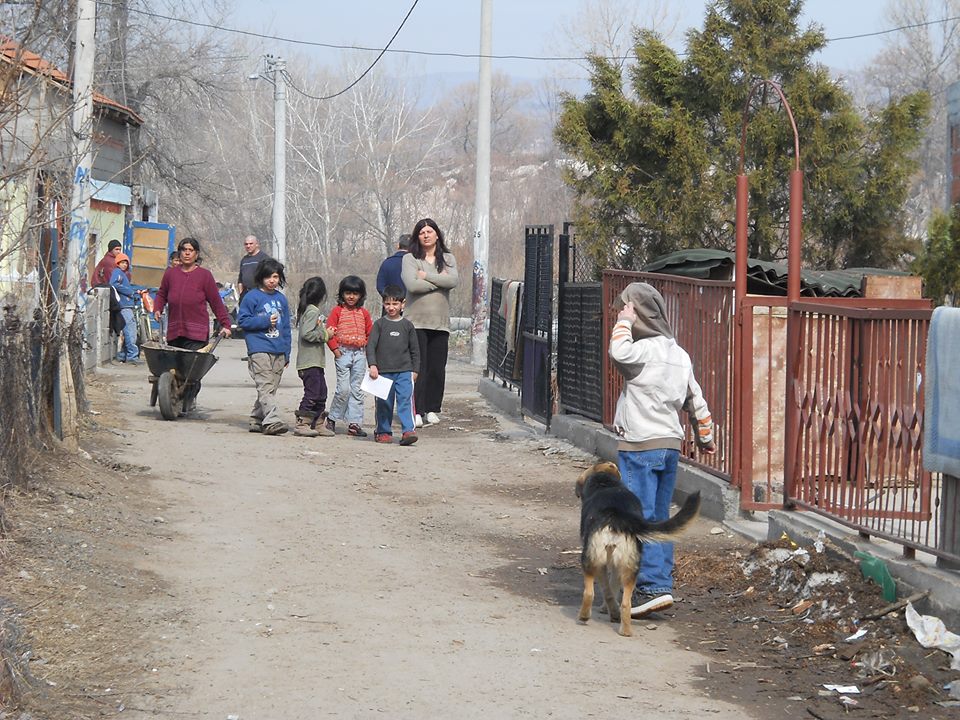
point(653, 532)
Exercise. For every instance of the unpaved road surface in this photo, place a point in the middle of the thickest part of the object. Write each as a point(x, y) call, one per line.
point(213, 573)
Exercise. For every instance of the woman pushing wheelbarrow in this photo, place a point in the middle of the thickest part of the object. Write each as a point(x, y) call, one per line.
point(186, 291)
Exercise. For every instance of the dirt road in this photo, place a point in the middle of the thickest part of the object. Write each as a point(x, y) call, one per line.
point(283, 577)
point(191, 569)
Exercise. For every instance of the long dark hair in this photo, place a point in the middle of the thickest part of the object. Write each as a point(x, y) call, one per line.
point(313, 292)
point(352, 283)
point(266, 268)
point(417, 250)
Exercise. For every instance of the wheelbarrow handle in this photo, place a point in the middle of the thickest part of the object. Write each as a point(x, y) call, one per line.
point(210, 346)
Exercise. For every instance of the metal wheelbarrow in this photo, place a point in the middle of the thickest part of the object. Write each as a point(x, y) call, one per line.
point(175, 373)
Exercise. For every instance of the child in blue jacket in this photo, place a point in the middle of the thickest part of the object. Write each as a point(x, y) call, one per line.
point(264, 316)
point(126, 298)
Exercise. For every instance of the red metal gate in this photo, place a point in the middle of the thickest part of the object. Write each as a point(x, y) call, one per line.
point(857, 397)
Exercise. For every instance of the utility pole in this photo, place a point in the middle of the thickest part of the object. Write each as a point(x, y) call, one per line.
point(278, 67)
point(73, 300)
point(82, 152)
point(481, 237)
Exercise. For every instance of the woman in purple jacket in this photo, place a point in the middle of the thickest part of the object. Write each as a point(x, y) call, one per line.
point(186, 291)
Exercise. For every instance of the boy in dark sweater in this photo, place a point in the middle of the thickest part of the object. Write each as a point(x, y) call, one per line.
point(393, 352)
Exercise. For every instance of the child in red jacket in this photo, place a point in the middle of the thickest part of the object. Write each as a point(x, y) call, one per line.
point(351, 325)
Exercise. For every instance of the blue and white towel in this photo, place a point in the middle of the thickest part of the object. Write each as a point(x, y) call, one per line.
point(941, 421)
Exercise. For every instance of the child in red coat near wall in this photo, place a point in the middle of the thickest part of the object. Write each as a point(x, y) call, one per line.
point(351, 325)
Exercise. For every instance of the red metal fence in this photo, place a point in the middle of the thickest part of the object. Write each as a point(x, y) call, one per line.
point(701, 315)
point(857, 394)
point(854, 407)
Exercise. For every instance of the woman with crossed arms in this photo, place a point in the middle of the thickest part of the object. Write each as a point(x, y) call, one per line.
point(429, 273)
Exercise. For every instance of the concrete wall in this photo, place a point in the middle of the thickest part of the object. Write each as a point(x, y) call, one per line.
point(15, 264)
point(100, 347)
point(769, 384)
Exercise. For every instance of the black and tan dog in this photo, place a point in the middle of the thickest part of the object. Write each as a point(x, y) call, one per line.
point(613, 531)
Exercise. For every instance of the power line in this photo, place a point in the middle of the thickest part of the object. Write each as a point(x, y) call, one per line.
point(471, 56)
point(364, 73)
point(912, 26)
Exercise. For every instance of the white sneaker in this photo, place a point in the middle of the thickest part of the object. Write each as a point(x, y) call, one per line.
point(652, 604)
point(432, 419)
point(417, 420)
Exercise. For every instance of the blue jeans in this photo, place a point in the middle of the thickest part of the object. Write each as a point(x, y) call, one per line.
point(401, 392)
point(130, 350)
point(348, 400)
point(651, 475)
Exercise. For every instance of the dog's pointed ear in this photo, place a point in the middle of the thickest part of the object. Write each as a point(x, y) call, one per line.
point(607, 467)
point(582, 479)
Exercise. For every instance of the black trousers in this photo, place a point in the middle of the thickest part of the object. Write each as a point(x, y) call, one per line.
point(188, 344)
point(314, 399)
point(428, 390)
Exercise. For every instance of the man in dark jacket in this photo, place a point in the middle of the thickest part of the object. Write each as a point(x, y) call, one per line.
point(389, 273)
point(248, 264)
point(104, 268)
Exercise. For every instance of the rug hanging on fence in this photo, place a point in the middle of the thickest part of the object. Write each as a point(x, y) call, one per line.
point(509, 310)
point(941, 422)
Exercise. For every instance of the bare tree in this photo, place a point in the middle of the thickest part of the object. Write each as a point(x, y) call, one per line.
point(512, 123)
point(398, 146)
point(35, 173)
point(606, 27)
point(320, 157)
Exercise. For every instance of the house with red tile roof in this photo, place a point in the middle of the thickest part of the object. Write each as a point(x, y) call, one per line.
point(36, 167)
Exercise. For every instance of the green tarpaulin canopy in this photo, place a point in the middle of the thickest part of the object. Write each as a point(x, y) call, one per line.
point(764, 278)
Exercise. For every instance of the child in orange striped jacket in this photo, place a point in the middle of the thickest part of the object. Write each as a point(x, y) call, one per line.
point(351, 324)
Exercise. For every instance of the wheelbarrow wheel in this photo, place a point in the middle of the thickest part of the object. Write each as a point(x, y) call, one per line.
point(168, 396)
point(153, 393)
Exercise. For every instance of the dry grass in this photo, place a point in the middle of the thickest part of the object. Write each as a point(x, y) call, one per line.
point(66, 631)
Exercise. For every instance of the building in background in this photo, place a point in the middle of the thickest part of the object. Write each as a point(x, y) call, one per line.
point(953, 152)
point(36, 167)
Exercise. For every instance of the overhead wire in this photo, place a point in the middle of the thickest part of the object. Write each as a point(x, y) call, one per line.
point(387, 48)
point(364, 73)
point(911, 26)
point(473, 56)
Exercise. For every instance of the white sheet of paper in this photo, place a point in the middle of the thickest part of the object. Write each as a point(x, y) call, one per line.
point(379, 387)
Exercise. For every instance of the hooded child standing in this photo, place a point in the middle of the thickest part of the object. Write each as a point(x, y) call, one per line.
point(351, 324)
point(265, 318)
point(312, 337)
point(126, 299)
point(658, 383)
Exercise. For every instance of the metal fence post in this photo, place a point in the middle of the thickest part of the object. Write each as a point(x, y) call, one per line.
point(949, 520)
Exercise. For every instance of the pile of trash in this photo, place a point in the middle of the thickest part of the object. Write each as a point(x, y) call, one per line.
point(851, 613)
point(802, 579)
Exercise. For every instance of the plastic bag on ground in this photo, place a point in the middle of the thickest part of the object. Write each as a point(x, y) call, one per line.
point(932, 633)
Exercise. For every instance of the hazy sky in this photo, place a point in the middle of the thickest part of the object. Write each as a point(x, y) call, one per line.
point(520, 27)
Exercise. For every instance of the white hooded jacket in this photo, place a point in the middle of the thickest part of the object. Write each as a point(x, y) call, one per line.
point(658, 379)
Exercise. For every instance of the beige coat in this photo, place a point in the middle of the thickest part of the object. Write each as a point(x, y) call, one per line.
point(428, 299)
